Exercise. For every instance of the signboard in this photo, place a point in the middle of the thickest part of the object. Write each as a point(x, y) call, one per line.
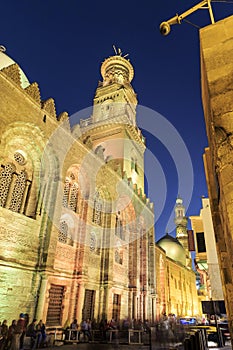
point(191, 243)
point(213, 307)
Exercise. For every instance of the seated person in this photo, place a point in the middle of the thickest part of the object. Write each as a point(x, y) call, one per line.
point(41, 334)
point(74, 327)
point(31, 332)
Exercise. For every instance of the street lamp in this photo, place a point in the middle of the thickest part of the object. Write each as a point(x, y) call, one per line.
point(165, 26)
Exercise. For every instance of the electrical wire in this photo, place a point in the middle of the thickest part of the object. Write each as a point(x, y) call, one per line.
point(192, 24)
point(230, 2)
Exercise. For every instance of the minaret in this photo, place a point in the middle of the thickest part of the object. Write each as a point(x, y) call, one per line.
point(181, 222)
point(111, 131)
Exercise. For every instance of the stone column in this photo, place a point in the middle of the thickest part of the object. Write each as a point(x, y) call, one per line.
point(81, 296)
point(40, 312)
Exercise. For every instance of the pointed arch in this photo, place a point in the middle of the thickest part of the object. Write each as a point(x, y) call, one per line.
point(23, 145)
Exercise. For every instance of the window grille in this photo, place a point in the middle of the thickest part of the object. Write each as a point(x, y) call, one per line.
point(73, 197)
point(70, 194)
point(6, 177)
point(97, 212)
point(14, 188)
point(18, 192)
point(116, 306)
point(66, 193)
point(63, 232)
point(55, 308)
point(89, 304)
point(19, 158)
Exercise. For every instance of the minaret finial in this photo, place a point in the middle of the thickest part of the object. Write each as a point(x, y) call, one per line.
point(114, 48)
point(118, 51)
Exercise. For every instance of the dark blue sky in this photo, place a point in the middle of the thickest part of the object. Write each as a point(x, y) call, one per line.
point(61, 44)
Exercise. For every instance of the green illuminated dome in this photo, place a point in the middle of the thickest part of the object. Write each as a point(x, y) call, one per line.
point(173, 248)
point(6, 61)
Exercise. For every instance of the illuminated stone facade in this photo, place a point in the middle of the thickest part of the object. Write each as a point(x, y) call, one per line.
point(175, 278)
point(206, 254)
point(176, 284)
point(76, 229)
point(217, 95)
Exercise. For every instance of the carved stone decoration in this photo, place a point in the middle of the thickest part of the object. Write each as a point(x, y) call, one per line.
point(15, 238)
point(49, 106)
point(99, 151)
point(117, 68)
point(220, 135)
point(65, 252)
point(63, 116)
point(92, 242)
point(88, 142)
point(13, 72)
point(34, 91)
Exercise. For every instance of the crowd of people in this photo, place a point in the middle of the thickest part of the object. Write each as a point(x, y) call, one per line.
point(166, 329)
point(86, 330)
point(12, 336)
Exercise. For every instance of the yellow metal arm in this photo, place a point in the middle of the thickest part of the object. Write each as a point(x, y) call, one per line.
point(205, 4)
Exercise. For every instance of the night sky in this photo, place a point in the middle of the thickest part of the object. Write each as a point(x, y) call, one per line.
point(61, 44)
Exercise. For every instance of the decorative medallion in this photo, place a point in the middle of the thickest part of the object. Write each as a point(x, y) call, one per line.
point(19, 158)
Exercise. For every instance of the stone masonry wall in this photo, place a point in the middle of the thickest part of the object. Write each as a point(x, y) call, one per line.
point(217, 95)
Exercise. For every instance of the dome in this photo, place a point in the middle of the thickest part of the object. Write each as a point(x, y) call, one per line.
point(174, 249)
point(6, 61)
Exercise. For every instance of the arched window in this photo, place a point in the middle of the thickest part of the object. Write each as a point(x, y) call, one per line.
point(6, 177)
point(70, 194)
point(18, 192)
point(97, 210)
point(66, 193)
point(14, 188)
point(73, 197)
point(63, 232)
point(134, 164)
point(94, 243)
point(119, 255)
point(119, 232)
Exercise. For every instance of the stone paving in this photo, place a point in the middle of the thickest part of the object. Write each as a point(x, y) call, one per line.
point(121, 342)
point(115, 346)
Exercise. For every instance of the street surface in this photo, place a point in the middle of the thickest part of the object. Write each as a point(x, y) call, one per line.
point(115, 346)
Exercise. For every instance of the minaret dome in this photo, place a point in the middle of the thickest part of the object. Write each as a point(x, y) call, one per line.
point(117, 69)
